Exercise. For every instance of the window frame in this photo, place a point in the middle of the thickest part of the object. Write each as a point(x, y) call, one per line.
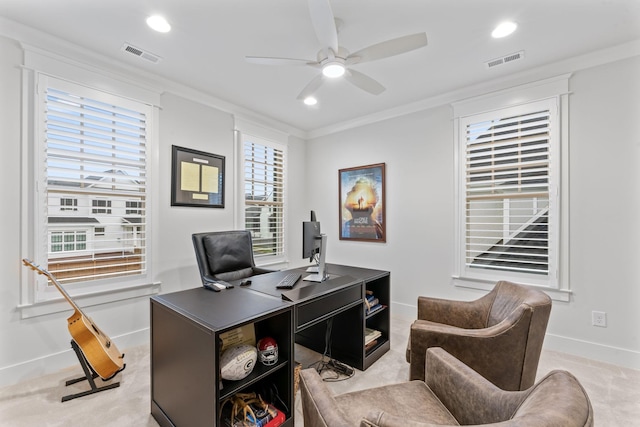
point(554, 93)
point(36, 298)
point(273, 139)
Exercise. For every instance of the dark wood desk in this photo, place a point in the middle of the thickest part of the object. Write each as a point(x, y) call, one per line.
point(186, 327)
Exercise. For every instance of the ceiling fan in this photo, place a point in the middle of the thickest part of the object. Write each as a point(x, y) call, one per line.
point(335, 60)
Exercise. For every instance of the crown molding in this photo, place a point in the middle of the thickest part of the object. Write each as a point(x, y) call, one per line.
point(34, 40)
point(567, 66)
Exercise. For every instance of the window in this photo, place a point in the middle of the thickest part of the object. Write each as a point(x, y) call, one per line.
point(134, 208)
point(101, 207)
point(264, 195)
point(68, 241)
point(509, 185)
point(506, 190)
point(95, 175)
point(68, 204)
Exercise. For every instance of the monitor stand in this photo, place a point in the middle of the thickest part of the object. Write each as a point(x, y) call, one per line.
point(321, 275)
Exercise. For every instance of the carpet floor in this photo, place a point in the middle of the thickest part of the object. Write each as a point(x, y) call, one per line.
point(614, 391)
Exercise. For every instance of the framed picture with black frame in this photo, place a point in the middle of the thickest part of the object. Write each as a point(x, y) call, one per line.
point(197, 178)
point(362, 203)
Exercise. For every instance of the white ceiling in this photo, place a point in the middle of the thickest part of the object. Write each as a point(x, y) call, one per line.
point(206, 48)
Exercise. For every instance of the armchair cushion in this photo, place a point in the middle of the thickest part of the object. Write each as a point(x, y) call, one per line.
point(499, 335)
point(321, 409)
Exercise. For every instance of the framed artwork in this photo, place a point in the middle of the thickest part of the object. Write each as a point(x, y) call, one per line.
point(197, 178)
point(362, 203)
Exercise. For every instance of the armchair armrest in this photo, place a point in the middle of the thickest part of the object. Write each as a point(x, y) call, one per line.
point(319, 406)
point(463, 314)
point(384, 419)
point(469, 397)
point(496, 352)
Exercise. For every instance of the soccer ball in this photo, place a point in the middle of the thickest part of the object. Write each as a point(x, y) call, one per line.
point(238, 362)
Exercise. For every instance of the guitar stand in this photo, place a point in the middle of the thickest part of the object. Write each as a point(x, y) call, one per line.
point(89, 375)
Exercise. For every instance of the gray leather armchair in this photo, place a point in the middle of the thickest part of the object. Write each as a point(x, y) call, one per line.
point(452, 395)
point(499, 335)
point(225, 255)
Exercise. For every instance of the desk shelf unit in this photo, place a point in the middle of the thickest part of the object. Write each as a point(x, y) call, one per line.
point(378, 320)
point(185, 348)
point(348, 316)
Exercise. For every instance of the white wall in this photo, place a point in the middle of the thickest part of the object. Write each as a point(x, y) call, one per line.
point(604, 203)
point(39, 345)
point(417, 150)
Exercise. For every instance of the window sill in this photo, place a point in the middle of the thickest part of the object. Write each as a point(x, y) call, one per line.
point(554, 293)
point(59, 305)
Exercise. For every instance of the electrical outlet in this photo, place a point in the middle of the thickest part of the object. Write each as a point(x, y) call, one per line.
point(599, 318)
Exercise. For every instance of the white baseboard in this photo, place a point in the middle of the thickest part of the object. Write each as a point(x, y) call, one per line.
point(595, 351)
point(55, 362)
point(406, 312)
point(590, 350)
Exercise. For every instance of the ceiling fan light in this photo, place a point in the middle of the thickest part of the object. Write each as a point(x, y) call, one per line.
point(504, 29)
point(310, 100)
point(158, 23)
point(333, 70)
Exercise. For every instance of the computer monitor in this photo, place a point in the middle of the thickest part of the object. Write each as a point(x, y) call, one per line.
point(314, 247)
point(310, 239)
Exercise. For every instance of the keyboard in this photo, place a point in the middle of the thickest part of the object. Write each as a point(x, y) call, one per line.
point(288, 281)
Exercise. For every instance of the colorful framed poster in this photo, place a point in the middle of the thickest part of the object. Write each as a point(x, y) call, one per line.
point(362, 203)
point(197, 178)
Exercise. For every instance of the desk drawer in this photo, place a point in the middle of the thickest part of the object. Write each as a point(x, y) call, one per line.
point(320, 308)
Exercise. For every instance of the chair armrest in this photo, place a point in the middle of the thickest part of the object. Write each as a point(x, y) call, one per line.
point(469, 397)
point(384, 419)
point(260, 270)
point(319, 408)
point(497, 352)
point(463, 314)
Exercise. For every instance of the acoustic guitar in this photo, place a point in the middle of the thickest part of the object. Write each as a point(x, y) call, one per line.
point(101, 354)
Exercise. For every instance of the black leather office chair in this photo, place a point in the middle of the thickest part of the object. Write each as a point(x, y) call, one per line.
point(225, 255)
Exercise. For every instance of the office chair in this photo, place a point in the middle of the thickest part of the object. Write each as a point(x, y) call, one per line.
point(225, 255)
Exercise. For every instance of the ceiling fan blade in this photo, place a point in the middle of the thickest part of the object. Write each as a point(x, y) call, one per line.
point(364, 82)
point(312, 86)
point(324, 24)
point(389, 48)
point(266, 60)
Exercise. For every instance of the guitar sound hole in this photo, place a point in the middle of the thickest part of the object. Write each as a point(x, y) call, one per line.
point(95, 329)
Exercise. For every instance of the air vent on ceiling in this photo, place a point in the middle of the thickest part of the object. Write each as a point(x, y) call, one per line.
point(141, 53)
point(512, 57)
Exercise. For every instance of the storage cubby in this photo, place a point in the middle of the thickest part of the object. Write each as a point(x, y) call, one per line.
point(378, 320)
point(185, 353)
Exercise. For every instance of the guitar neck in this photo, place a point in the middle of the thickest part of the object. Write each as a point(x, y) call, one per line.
point(55, 282)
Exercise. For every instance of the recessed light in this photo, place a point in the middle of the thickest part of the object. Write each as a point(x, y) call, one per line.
point(158, 23)
point(310, 100)
point(504, 29)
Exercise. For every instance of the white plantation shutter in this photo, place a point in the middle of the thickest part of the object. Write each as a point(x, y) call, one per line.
point(509, 212)
point(95, 176)
point(264, 195)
